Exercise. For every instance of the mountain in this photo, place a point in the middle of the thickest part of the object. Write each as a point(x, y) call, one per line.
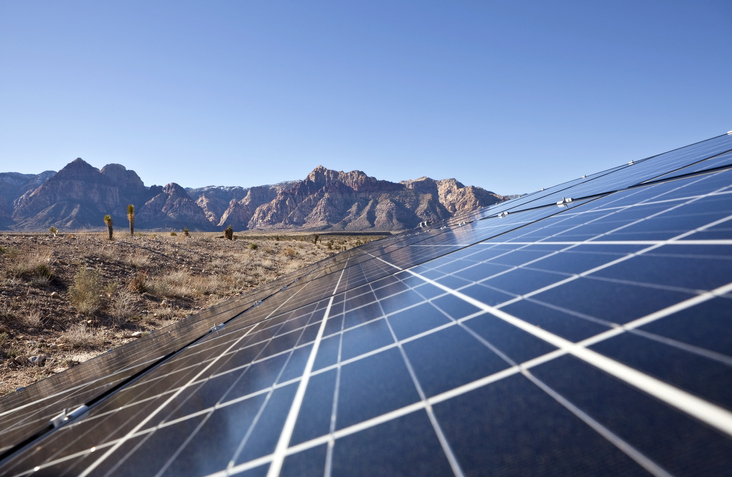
point(79, 195)
point(12, 186)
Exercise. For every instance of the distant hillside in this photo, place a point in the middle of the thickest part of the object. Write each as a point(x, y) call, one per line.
point(79, 195)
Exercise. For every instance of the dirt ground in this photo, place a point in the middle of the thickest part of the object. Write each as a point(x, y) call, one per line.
point(67, 298)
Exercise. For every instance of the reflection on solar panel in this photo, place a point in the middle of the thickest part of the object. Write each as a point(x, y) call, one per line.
point(584, 329)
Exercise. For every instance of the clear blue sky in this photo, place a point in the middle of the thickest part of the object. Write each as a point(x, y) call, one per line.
point(508, 95)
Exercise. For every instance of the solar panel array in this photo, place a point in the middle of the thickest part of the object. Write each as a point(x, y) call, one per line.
point(582, 329)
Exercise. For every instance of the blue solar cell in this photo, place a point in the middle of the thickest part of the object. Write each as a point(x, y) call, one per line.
point(511, 427)
point(699, 375)
point(373, 386)
point(450, 358)
point(415, 320)
point(676, 442)
point(516, 344)
point(406, 445)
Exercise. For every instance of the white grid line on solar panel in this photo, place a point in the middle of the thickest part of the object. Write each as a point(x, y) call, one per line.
point(435, 399)
point(78, 397)
point(89, 469)
point(616, 440)
point(146, 399)
point(560, 218)
point(236, 400)
point(288, 428)
point(573, 277)
point(423, 398)
point(719, 161)
point(43, 415)
point(703, 410)
point(334, 409)
point(647, 463)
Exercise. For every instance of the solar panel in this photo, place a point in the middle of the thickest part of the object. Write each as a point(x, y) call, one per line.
point(586, 337)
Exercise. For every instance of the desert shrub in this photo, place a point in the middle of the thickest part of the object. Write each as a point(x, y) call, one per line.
point(123, 307)
point(111, 288)
point(253, 246)
point(289, 252)
point(173, 234)
point(34, 268)
point(138, 282)
point(174, 284)
point(138, 260)
point(80, 336)
point(33, 319)
point(85, 292)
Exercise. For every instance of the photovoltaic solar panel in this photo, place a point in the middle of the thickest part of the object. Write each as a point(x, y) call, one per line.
point(582, 337)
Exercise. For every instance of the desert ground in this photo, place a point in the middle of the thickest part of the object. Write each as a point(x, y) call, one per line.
point(65, 298)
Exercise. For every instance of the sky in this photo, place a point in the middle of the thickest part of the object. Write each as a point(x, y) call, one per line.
point(511, 96)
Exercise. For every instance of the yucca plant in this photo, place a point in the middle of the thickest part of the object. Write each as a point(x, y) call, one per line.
point(108, 221)
point(131, 218)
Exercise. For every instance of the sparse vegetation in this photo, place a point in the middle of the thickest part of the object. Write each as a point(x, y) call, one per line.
point(142, 283)
point(139, 282)
point(82, 336)
point(85, 292)
point(253, 246)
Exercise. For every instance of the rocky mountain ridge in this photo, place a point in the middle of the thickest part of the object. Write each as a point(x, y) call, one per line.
point(79, 195)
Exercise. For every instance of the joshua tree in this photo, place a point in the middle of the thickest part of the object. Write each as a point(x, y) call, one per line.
point(108, 221)
point(315, 239)
point(186, 232)
point(229, 233)
point(53, 230)
point(131, 218)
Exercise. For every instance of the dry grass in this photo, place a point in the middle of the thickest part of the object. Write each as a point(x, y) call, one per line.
point(124, 307)
point(33, 267)
point(31, 319)
point(85, 293)
point(138, 260)
point(81, 336)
